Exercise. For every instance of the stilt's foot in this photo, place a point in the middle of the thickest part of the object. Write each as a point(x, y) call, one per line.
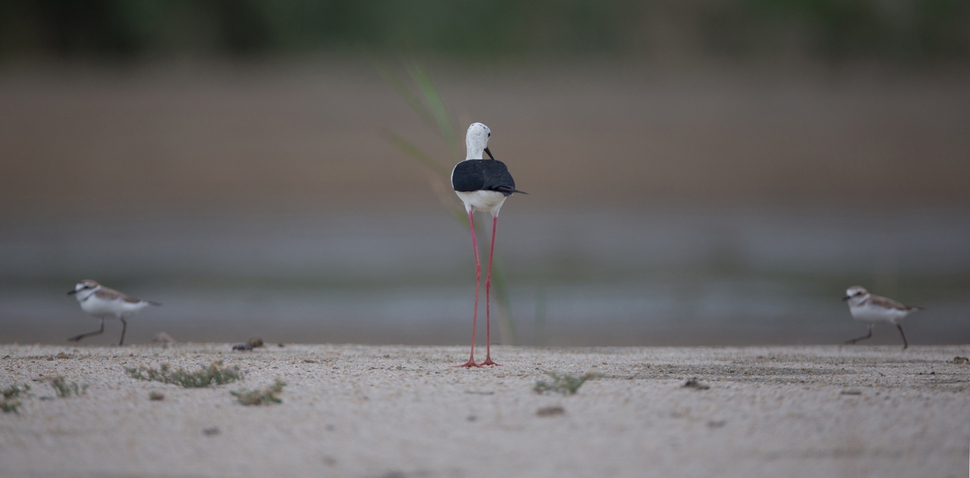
point(76, 338)
point(488, 361)
point(469, 364)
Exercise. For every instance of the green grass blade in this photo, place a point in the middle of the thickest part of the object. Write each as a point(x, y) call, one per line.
point(507, 326)
point(437, 106)
point(406, 94)
point(417, 154)
point(433, 112)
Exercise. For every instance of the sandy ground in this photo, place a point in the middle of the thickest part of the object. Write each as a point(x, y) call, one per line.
point(395, 411)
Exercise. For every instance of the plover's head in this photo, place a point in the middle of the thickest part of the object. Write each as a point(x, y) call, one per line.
point(84, 289)
point(856, 295)
point(476, 140)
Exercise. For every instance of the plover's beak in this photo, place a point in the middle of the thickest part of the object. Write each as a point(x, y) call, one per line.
point(489, 153)
point(72, 292)
point(847, 297)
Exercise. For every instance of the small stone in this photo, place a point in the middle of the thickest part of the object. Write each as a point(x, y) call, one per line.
point(960, 360)
point(716, 423)
point(851, 391)
point(211, 431)
point(254, 342)
point(62, 355)
point(156, 396)
point(696, 384)
point(242, 347)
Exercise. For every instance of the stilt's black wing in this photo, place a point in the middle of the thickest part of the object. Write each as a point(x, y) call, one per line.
point(478, 175)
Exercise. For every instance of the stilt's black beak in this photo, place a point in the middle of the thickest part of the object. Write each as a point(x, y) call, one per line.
point(72, 292)
point(489, 153)
point(847, 297)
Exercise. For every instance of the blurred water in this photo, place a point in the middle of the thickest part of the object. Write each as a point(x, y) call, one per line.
point(586, 278)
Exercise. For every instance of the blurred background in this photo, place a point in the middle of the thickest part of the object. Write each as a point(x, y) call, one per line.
point(700, 172)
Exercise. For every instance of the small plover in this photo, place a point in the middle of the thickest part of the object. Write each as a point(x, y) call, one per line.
point(871, 309)
point(102, 303)
point(482, 185)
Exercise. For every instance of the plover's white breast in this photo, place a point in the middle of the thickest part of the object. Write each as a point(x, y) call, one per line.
point(107, 308)
point(869, 312)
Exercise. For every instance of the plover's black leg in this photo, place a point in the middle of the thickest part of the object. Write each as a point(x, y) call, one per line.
point(869, 335)
point(124, 326)
point(905, 344)
point(96, 332)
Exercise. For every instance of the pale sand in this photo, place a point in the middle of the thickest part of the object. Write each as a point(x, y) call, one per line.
point(394, 411)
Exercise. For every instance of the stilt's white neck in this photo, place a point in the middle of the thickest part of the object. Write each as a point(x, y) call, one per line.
point(476, 140)
point(476, 152)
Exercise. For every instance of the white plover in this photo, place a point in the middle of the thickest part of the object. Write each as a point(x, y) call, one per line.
point(102, 303)
point(482, 185)
point(872, 309)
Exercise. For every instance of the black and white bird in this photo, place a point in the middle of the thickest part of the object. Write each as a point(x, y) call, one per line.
point(871, 309)
point(102, 303)
point(482, 185)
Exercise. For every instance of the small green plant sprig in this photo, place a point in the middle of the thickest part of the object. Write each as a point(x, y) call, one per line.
point(68, 390)
point(562, 383)
point(10, 402)
point(214, 374)
point(266, 396)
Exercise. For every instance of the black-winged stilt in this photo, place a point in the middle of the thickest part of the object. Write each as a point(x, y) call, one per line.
point(482, 184)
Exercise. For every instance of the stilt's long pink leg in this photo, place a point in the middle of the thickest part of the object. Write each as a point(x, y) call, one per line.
point(478, 280)
point(488, 287)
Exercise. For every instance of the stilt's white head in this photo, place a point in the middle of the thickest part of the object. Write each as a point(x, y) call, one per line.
point(856, 295)
point(84, 289)
point(476, 140)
